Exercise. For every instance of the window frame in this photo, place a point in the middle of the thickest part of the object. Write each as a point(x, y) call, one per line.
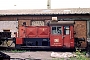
point(56, 30)
point(66, 29)
point(37, 25)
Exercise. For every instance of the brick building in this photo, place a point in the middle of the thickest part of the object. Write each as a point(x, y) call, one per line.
point(10, 20)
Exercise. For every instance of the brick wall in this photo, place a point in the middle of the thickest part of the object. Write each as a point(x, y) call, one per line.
point(80, 29)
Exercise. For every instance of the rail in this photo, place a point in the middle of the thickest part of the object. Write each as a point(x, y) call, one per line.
point(4, 56)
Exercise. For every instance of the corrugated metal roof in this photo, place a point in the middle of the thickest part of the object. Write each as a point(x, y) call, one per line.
point(46, 11)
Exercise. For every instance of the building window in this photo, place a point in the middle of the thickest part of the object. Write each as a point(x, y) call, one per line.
point(88, 29)
point(37, 23)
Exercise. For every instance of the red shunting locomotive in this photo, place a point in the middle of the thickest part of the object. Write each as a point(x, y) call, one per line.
point(57, 34)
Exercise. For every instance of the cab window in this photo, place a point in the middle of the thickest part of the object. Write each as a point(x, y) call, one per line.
point(56, 30)
point(66, 30)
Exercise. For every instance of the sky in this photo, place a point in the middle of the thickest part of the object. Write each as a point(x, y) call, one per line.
point(42, 4)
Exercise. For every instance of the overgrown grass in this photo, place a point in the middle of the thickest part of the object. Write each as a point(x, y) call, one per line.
point(79, 56)
point(18, 51)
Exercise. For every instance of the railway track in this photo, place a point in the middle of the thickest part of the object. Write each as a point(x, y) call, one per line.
point(35, 49)
point(13, 50)
point(4, 56)
point(6, 48)
point(34, 53)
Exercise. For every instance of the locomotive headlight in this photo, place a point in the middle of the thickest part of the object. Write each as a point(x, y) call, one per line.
point(56, 40)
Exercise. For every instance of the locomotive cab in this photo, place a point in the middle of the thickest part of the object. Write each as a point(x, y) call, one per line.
point(62, 34)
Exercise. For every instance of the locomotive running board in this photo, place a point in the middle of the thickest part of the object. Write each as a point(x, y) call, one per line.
point(35, 46)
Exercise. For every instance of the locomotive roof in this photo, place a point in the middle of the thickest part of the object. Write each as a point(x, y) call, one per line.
point(45, 11)
point(58, 23)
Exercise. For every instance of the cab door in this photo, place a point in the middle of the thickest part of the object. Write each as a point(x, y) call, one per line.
point(56, 39)
point(68, 37)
